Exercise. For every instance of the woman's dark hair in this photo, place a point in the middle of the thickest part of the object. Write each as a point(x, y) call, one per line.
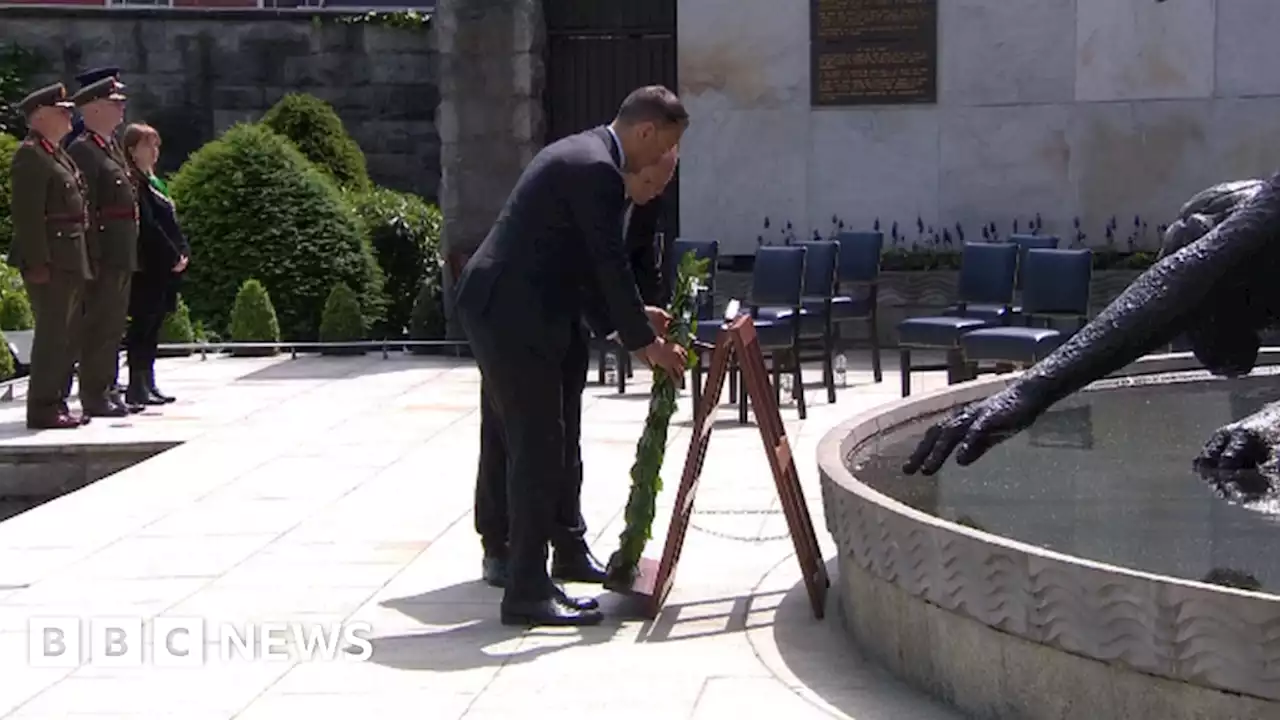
point(133, 135)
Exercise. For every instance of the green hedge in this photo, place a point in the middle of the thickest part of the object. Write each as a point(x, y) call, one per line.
point(254, 207)
point(8, 366)
point(318, 132)
point(8, 145)
point(404, 231)
point(15, 311)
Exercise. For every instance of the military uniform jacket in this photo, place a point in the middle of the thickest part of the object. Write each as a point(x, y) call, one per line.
point(48, 209)
point(113, 202)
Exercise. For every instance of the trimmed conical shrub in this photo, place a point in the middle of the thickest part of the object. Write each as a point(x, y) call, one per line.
point(253, 319)
point(254, 207)
point(315, 128)
point(177, 330)
point(342, 322)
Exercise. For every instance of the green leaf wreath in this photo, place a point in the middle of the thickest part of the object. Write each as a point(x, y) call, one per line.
point(646, 479)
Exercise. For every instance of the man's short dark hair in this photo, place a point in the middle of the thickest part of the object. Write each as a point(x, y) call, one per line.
point(652, 103)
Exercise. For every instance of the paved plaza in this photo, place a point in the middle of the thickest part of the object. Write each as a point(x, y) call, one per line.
point(337, 491)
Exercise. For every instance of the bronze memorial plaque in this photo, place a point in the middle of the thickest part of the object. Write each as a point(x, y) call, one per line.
point(874, 52)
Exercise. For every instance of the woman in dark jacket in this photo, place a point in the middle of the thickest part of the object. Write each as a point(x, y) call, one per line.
point(163, 253)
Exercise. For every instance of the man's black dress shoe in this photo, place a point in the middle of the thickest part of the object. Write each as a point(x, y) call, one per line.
point(579, 566)
point(548, 613)
point(494, 572)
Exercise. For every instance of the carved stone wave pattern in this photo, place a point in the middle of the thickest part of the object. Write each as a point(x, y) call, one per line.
point(1209, 637)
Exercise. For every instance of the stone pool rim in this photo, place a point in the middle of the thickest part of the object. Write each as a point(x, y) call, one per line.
point(1154, 625)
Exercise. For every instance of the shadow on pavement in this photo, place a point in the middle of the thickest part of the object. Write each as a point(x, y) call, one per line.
point(465, 634)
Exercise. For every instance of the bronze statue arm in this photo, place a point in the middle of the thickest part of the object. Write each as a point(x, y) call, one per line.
point(1149, 313)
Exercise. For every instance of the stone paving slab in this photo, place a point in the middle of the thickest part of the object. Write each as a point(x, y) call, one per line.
point(338, 491)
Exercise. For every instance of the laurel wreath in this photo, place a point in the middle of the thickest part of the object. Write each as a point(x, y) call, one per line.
point(646, 478)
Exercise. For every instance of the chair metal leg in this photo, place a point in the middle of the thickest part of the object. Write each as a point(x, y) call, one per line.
point(956, 371)
point(733, 380)
point(875, 349)
point(828, 372)
point(742, 407)
point(798, 383)
point(624, 370)
point(600, 360)
point(904, 365)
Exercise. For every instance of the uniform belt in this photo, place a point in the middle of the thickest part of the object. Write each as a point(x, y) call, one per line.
point(66, 217)
point(130, 213)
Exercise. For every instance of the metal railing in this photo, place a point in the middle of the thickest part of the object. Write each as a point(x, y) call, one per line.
point(9, 388)
point(385, 346)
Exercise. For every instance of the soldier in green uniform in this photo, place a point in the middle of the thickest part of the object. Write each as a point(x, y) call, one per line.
point(48, 210)
point(112, 243)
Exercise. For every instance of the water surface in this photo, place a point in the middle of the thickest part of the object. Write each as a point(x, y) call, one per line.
point(1107, 475)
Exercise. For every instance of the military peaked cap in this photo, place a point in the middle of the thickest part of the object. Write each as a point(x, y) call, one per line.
point(89, 77)
point(52, 96)
point(104, 89)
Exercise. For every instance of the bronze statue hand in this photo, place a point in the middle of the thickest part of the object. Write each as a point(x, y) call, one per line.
point(1245, 444)
point(974, 429)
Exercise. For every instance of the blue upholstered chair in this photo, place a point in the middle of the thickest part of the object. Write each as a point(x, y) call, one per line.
point(777, 281)
point(856, 299)
point(987, 276)
point(1027, 243)
point(818, 294)
point(1057, 289)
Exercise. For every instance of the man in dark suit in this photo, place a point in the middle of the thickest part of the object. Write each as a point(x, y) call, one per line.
point(521, 298)
point(572, 560)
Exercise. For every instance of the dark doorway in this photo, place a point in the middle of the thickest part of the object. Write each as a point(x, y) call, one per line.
point(597, 52)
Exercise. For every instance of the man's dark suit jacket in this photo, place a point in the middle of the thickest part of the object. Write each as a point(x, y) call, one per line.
point(557, 242)
point(646, 265)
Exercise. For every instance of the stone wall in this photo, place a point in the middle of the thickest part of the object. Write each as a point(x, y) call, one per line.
point(1067, 108)
point(490, 116)
point(193, 73)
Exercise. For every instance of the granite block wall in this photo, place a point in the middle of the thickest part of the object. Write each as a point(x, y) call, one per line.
point(193, 73)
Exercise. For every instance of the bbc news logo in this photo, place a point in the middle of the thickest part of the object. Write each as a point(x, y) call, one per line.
point(186, 642)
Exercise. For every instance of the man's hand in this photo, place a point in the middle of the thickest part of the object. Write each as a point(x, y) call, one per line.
point(37, 274)
point(182, 264)
point(659, 320)
point(665, 355)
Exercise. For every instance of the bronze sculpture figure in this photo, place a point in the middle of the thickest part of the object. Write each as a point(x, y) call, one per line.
point(1214, 280)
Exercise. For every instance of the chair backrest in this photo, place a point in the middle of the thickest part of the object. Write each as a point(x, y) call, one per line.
point(1058, 282)
point(860, 256)
point(820, 262)
point(1031, 242)
point(778, 276)
point(987, 273)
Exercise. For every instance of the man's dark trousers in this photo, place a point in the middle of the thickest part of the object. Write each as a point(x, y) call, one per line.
point(526, 393)
point(569, 529)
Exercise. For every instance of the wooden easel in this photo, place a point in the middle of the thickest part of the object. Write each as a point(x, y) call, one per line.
point(654, 579)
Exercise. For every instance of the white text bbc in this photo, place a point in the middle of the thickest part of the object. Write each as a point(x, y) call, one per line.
point(185, 641)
